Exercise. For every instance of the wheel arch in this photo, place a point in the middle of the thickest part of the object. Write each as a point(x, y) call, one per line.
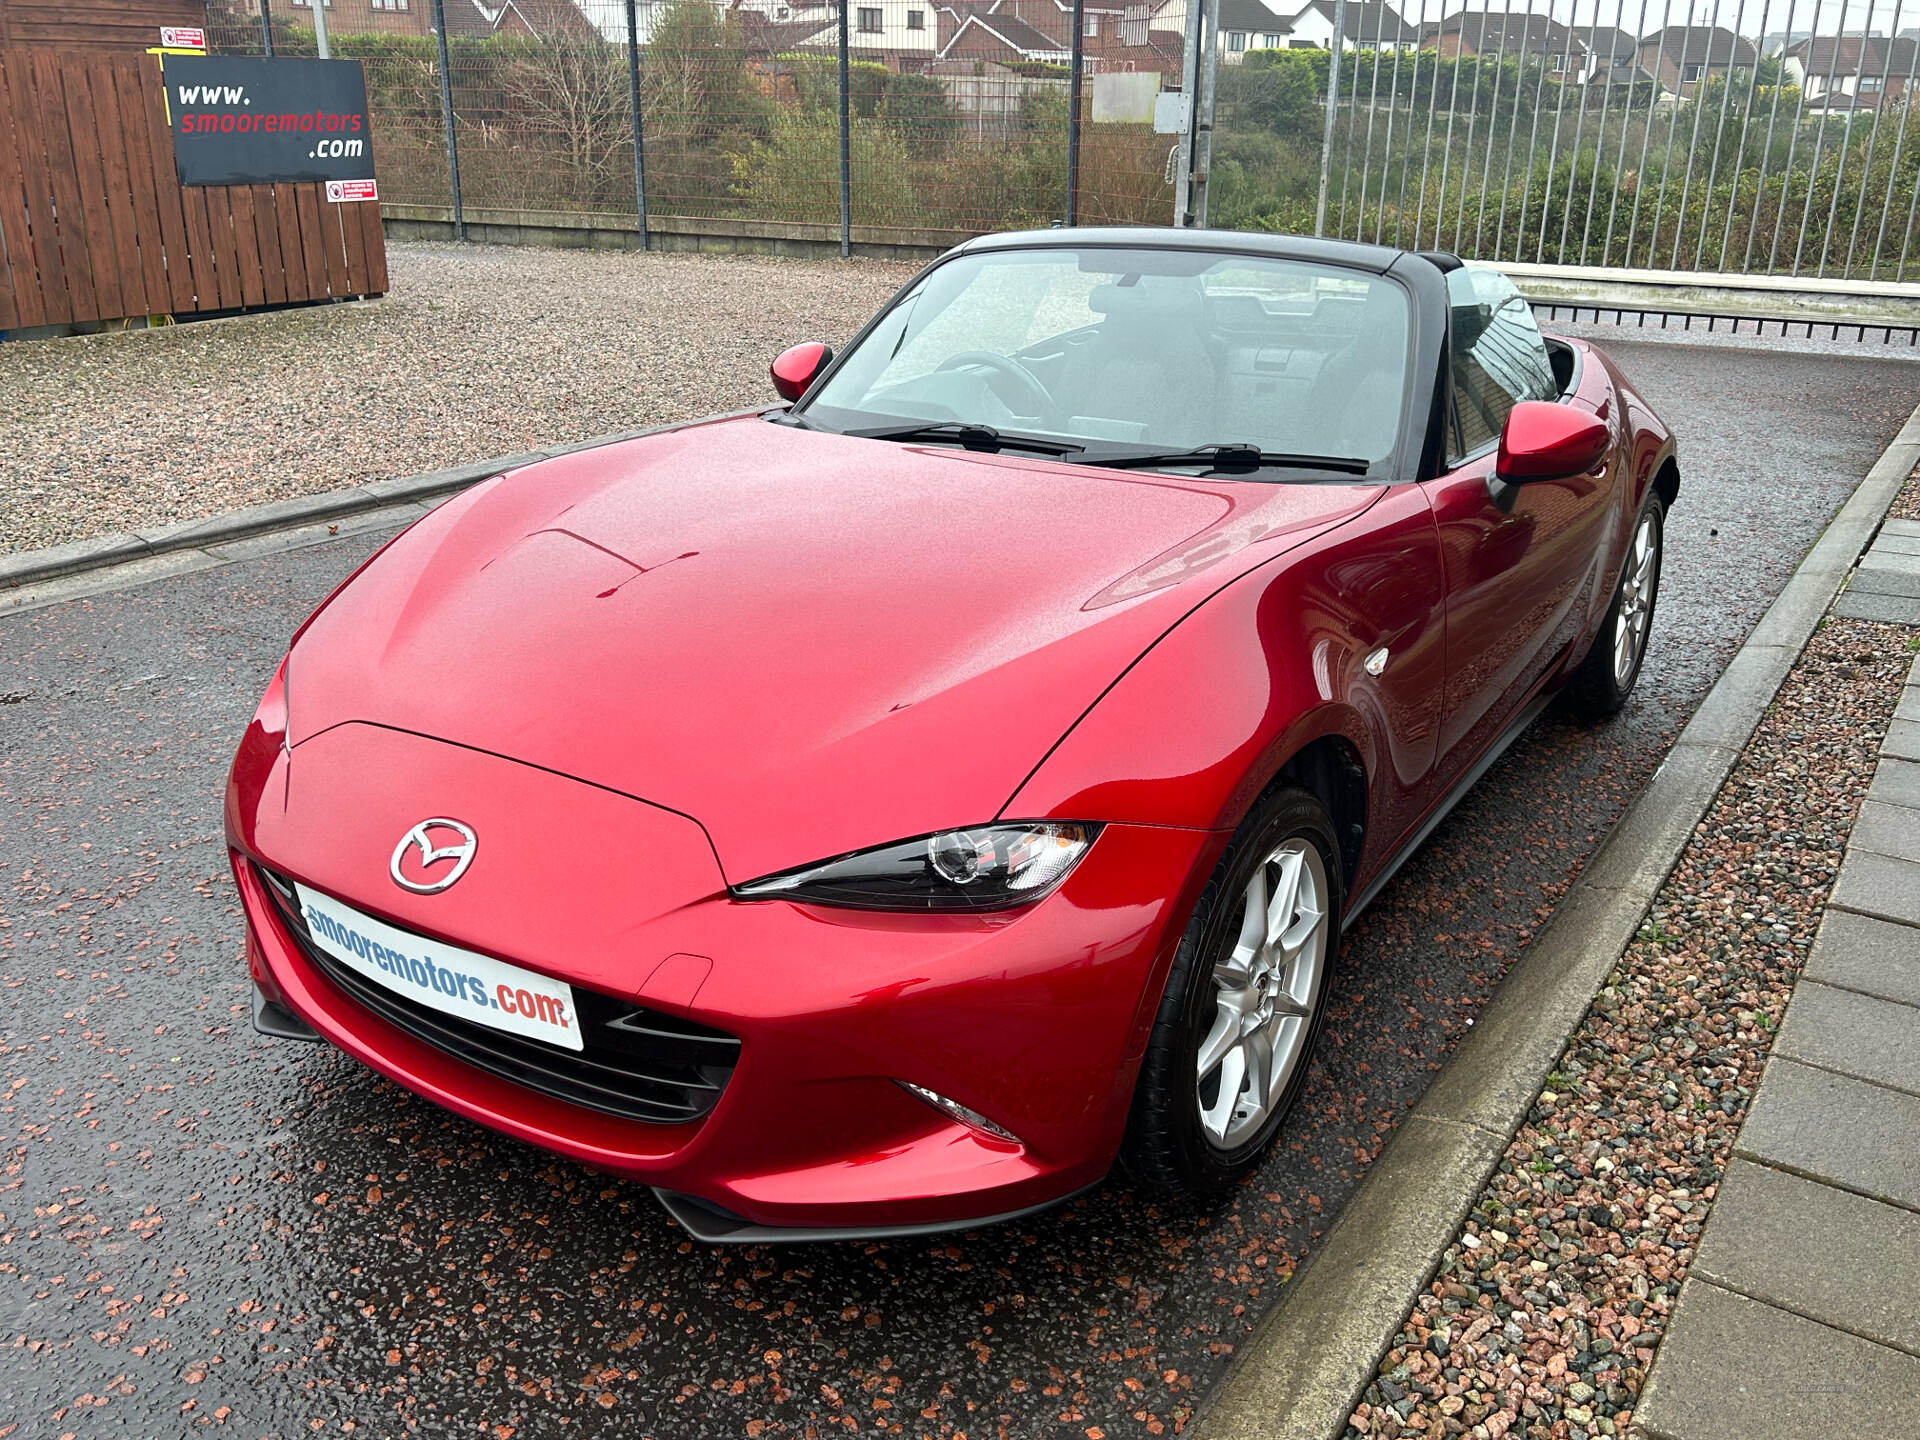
point(1332, 769)
point(1666, 480)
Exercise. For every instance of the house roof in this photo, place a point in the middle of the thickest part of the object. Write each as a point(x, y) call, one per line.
point(1065, 7)
point(1164, 50)
point(1610, 43)
point(1366, 21)
point(761, 36)
point(1851, 55)
point(548, 19)
point(1250, 16)
point(1700, 45)
point(470, 18)
point(1536, 34)
point(1011, 31)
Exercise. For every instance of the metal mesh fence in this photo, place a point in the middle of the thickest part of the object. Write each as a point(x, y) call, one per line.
point(740, 116)
point(1767, 136)
point(1745, 136)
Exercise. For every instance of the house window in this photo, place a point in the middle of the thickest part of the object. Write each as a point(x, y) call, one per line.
point(916, 19)
point(1091, 26)
point(1690, 73)
point(1558, 64)
point(308, 4)
point(1269, 42)
point(1236, 41)
point(869, 19)
point(1870, 84)
point(386, 4)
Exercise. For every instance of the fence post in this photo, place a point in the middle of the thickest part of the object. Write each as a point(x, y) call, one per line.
point(1183, 205)
point(633, 98)
point(446, 114)
point(1209, 94)
point(846, 144)
point(266, 27)
point(1333, 109)
point(1073, 111)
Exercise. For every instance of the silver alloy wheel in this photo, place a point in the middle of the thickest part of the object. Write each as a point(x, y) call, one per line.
point(1636, 600)
point(1265, 992)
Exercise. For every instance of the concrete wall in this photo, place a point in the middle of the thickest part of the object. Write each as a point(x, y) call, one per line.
point(665, 232)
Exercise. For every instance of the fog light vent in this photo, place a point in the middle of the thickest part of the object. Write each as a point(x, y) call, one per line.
point(954, 1110)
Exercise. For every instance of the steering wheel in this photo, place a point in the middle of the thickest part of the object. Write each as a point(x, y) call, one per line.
point(1004, 365)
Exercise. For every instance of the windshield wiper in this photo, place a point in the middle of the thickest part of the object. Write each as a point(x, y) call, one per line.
point(1230, 457)
point(983, 438)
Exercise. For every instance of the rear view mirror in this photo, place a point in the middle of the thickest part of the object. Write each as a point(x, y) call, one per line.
point(798, 367)
point(1546, 441)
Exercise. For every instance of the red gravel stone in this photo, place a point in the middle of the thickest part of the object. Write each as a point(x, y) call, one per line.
point(1548, 1309)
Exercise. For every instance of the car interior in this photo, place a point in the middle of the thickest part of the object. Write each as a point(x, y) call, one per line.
point(1171, 361)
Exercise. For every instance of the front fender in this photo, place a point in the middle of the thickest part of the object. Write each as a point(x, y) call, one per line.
point(1201, 723)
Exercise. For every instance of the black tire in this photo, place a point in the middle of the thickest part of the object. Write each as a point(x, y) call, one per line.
point(1600, 686)
point(1167, 1147)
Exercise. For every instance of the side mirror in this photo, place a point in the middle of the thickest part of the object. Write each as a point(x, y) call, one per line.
point(798, 367)
point(1545, 441)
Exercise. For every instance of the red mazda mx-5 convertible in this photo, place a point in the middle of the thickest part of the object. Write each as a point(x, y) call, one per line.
point(877, 814)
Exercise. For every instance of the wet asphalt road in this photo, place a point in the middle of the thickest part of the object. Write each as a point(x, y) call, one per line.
point(199, 1228)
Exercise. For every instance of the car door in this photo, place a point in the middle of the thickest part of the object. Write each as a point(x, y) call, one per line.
point(1520, 562)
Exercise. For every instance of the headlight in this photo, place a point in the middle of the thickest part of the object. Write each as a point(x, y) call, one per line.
point(993, 867)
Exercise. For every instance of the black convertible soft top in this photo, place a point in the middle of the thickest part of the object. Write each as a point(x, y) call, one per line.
point(1357, 254)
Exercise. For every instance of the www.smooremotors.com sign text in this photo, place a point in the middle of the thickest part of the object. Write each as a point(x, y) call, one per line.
point(253, 121)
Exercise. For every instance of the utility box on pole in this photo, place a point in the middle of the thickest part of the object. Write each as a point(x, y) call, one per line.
point(1199, 71)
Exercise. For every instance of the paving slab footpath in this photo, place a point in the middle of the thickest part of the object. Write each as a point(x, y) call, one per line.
point(1801, 1314)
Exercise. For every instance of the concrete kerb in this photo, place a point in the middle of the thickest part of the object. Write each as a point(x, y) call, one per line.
point(32, 566)
point(1310, 1359)
point(217, 533)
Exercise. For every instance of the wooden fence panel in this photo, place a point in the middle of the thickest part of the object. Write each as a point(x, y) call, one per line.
point(273, 269)
point(56, 300)
point(95, 225)
point(145, 100)
point(51, 109)
point(332, 243)
point(226, 254)
point(116, 174)
point(312, 244)
point(246, 236)
point(129, 117)
point(89, 174)
point(292, 257)
point(348, 224)
point(375, 235)
point(20, 302)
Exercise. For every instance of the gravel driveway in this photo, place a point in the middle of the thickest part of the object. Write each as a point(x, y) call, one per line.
point(480, 350)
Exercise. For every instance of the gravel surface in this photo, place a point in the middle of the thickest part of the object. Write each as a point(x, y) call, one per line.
point(1906, 504)
point(480, 350)
point(199, 1227)
point(1546, 1312)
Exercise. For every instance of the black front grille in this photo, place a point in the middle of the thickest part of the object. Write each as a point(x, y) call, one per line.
point(636, 1063)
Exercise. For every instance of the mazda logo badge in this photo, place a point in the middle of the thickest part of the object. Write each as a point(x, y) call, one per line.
point(420, 841)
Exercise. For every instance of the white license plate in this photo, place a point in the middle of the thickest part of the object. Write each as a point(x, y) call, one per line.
point(444, 977)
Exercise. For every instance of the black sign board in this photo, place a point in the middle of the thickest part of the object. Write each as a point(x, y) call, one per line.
point(249, 122)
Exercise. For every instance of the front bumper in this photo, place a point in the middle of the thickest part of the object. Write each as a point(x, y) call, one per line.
point(1035, 1018)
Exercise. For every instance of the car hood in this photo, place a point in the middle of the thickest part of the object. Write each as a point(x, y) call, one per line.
point(807, 642)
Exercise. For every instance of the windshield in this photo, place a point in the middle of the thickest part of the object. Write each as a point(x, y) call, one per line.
point(1133, 351)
